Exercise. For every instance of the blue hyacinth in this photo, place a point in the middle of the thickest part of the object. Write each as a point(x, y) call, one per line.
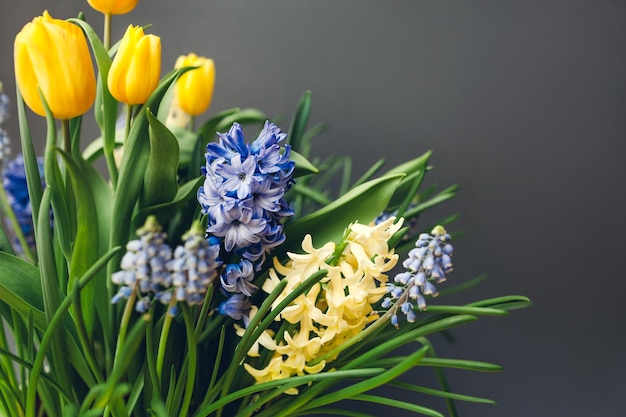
point(14, 183)
point(429, 261)
point(243, 198)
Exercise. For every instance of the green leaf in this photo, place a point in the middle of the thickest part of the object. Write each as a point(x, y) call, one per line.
point(85, 249)
point(20, 287)
point(461, 364)
point(5, 244)
point(105, 107)
point(160, 180)
point(303, 166)
point(402, 405)
point(243, 117)
point(165, 211)
point(444, 195)
point(300, 121)
point(350, 391)
point(415, 170)
point(33, 177)
point(476, 311)
point(442, 394)
point(361, 204)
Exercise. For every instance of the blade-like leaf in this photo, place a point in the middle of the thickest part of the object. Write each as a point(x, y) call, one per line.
point(361, 204)
point(160, 180)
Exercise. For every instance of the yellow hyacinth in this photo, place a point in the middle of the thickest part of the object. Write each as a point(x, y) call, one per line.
point(51, 56)
point(113, 6)
point(332, 311)
point(194, 89)
point(136, 68)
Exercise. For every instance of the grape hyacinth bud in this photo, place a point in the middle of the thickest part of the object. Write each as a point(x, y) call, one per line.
point(430, 260)
point(144, 266)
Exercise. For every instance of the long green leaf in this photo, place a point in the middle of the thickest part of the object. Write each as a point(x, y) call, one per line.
point(20, 287)
point(300, 121)
point(403, 405)
point(85, 248)
point(160, 179)
point(461, 364)
point(442, 394)
point(361, 204)
point(33, 177)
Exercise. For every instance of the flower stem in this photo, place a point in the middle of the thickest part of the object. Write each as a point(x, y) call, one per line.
point(191, 359)
point(129, 120)
point(67, 140)
point(121, 339)
point(165, 330)
point(107, 31)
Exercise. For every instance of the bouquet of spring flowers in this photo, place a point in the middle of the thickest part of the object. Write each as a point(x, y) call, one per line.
point(197, 272)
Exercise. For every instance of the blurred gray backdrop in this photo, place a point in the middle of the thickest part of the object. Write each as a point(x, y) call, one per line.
point(523, 104)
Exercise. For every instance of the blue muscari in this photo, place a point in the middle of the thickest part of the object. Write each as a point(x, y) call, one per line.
point(154, 271)
point(5, 144)
point(243, 198)
point(144, 266)
point(430, 260)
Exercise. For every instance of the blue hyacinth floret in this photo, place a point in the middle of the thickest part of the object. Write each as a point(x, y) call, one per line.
point(243, 198)
point(429, 261)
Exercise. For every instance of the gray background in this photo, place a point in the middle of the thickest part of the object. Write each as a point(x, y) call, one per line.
point(523, 104)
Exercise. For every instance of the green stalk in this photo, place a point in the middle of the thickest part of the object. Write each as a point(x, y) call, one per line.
point(165, 331)
point(67, 137)
point(192, 354)
point(128, 309)
point(107, 31)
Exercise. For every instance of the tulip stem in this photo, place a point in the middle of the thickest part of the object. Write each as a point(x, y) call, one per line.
point(107, 31)
point(67, 140)
point(129, 119)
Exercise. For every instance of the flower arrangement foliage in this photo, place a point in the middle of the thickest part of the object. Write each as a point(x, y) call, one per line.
point(203, 273)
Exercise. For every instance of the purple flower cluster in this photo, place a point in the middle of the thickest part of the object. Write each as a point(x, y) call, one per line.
point(429, 261)
point(243, 198)
point(5, 144)
point(150, 270)
point(14, 183)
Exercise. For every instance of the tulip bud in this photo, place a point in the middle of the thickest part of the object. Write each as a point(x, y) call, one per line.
point(194, 89)
point(136, 68)
point(113, 6)
point(52, 56)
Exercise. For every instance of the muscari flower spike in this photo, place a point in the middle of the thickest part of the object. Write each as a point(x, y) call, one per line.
point(430, 260)
point(144, 266)
point(5, 144)
point(243, 198)
point(193, 268)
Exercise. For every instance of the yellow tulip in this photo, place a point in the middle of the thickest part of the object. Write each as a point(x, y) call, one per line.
point(113, 6)
point(136, 68)
point(194, 89)
point(52, 56)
